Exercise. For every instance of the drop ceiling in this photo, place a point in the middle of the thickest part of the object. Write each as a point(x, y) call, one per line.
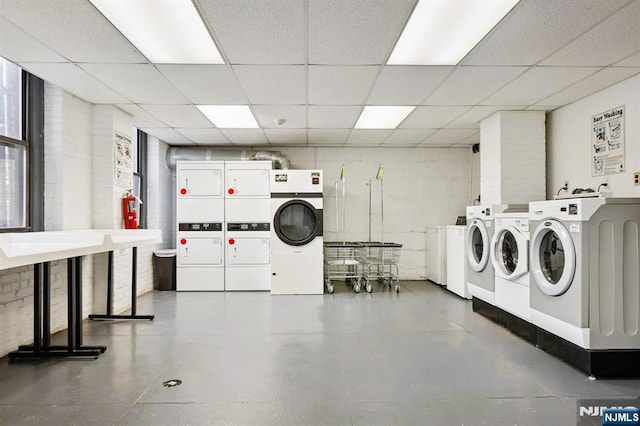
point(317, 63)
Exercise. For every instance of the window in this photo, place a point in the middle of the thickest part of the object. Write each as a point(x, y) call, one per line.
point(21, 149)
point(139, 171)
point(14, 154)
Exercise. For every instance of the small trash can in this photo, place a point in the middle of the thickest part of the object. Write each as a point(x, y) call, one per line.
point(164, 269)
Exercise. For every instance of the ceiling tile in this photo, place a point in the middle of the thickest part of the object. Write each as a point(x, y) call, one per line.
point(141, 118)
point(470, 85)
point(291, 137)
point(168, 135)
point(408, 137)
point(72, 28)
point(432, 117)
point(538, 83)
point(204, 136)
point(537, 28)
point(273, 84)
point(471, 119)
point(178, 115)
point(602, 45)
point(368, 136)
point(327, 136)
point(245, 136)
point(75, 80)
point(17, 46)
point(598, 81)
point(295, 116)
point(629, 61)
point(406, 85)
point(277, 32)
point(338, 117)
point(206, 84)
point(330, 85)
point(355, 31)
point(142, 83)
point(448, 137)
point(471, 140)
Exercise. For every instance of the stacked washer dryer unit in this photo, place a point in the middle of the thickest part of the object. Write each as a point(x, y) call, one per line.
point(200, 233)
point(297, 241)
point(480, 273)
point(585, 282)
point(248, 226)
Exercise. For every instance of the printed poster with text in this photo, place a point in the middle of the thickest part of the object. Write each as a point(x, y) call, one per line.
point(123, 161)
point(607, 142)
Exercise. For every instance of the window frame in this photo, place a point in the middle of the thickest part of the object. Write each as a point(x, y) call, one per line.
point(5, 140)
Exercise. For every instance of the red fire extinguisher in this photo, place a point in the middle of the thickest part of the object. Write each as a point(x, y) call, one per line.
point(130, 210)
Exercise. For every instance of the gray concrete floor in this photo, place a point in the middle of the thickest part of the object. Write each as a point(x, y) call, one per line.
point(421, 357)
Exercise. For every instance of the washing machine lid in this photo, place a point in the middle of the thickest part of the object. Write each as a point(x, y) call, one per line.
point(297, 222)
point(553, 257)
point(509, 253)
point(477, 245)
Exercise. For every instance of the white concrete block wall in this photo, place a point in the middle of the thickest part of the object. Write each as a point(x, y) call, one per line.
point(522, 172)
point(160, 191)
point(422, 186)
point(490, 160)
point(512, 157)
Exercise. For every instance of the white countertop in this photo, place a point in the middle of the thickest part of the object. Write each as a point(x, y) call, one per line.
point(27, 248)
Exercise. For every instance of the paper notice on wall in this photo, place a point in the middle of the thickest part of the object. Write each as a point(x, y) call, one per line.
point(607, 142)
point(123, 176)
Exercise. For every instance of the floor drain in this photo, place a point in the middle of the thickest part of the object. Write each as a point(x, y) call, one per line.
point(171, 383)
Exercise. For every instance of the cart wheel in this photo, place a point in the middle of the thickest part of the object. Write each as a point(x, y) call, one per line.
point(356, 288)
point(397, 288)
point(368, 287)
point(330, 289)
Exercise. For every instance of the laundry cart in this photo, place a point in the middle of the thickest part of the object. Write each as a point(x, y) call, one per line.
point(380, 262)
point(341, 262)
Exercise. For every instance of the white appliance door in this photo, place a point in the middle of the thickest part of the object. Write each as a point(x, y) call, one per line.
point(248, 250)
point(509, 253)
point(248, 183)
point(200, 250)
point(477, 245)
point(553, 258)
point(205, 182)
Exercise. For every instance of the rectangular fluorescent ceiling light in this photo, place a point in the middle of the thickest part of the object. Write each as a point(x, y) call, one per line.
point(442, 32)
point(382, 117)
point(229, 116)
point(166, 32)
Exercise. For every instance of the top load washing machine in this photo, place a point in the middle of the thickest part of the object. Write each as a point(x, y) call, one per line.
point(510, 258)
point(585, 271)
point(480, 273)
point(200, 234)
point(297, 240)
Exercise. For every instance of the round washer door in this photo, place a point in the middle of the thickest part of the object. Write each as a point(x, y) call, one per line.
point(477, 245)
point(509, 253)
point(553, 258)
point(296, 222)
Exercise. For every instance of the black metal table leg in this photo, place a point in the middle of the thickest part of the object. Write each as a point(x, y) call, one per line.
point(134, 293)
point(41, 347)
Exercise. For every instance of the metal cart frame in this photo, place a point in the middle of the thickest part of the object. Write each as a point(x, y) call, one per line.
point(380, 262)
point(342, 262)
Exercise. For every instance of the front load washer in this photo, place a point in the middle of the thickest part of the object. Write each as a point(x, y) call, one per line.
point(585, 270)
point(200, 260)
point(480, 273)
point(248, 256)
point(297, 240)
point(510, 258)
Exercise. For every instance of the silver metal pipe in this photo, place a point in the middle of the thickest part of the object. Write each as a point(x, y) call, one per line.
point(205, 153)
